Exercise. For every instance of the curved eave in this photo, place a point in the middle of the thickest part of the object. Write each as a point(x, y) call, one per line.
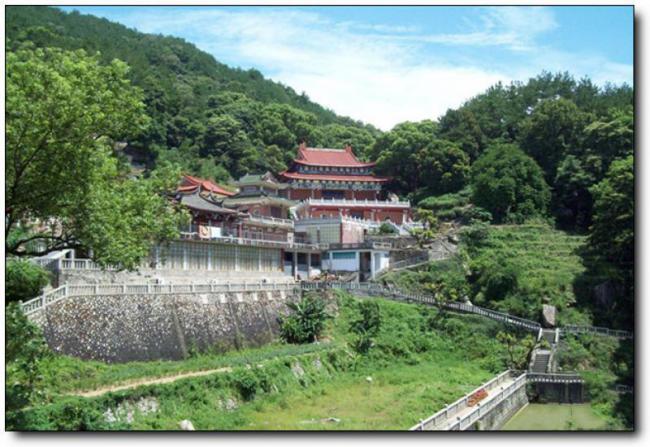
point(336, 165)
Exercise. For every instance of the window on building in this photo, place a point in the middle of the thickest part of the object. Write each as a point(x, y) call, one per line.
point(343, 255)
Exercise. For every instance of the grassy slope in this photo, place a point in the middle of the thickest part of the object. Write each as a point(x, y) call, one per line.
point(547, 263)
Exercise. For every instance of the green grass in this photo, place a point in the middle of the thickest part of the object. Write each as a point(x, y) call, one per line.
point(420, 361)
point(396, 398)
point(557, 417)
point(63, 374)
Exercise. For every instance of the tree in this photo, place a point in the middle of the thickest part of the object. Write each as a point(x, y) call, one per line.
point(306, 322)
point(509, 184)
point(430, 226)
point(396, 153)
point(612, 231)
point(366, 326)
point(24, 280)
point(63, 185)
point(519, 350)
point(25, 349)
point(446, 165)
point(552, 131)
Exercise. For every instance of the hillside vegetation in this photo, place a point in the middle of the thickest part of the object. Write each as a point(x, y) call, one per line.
point(418, 361)
point(214, 120)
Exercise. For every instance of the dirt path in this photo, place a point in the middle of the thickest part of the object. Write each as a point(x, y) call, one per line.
point(148, 381)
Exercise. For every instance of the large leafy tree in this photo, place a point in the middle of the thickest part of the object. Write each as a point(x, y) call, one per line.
point(64, 184)
point(509, 184)
point(551, 132)
point(612, 231)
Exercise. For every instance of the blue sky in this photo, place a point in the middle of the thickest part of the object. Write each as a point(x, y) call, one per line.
point(384, 65)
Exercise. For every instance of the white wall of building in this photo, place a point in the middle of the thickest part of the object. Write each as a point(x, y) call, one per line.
point(346, 261)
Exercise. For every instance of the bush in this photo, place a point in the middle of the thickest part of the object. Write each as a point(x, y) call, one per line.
point(24, 280)
point(366, 325)
point(307, 321)
point(386, 228)
point(25, 349)
point(246, 383)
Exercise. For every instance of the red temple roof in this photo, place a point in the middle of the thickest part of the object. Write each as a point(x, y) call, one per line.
point(189, 183)
point(329, 157)
point(333, 177)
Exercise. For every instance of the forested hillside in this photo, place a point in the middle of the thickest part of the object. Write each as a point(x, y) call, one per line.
point(214, 120)
point(552, 149)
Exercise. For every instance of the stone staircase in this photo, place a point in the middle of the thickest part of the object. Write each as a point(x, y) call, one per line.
point(542, 359)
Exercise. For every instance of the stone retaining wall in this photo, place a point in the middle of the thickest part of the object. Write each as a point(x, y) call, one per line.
point(154, 327)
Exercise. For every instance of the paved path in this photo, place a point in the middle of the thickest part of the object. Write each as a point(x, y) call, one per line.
point(493, 393)
point(148, 381)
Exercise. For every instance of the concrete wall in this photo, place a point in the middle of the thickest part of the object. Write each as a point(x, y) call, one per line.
point(152, 327)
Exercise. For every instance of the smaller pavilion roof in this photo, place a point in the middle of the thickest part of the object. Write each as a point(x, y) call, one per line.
point(190, 183)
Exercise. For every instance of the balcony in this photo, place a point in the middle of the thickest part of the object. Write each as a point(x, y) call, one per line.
point(355, 202)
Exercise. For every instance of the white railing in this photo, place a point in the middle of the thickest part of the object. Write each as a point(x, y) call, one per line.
point(251, 242)
point(358, 202)
point(271, 220)
point(444, 419)
point(74, 290)
point(81, 264)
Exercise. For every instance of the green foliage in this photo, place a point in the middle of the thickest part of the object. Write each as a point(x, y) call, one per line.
point(509, 184)
point(519, 349)
point(66, 106)
point(612, 232)
point(414, 155)
point(199, 107)
point(25, 350)
point(306, 322)
point(366, 326)
point(24, 280)
point(552, 131)
point(386, 228)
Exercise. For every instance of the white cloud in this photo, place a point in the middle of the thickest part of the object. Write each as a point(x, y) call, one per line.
point(376, 73)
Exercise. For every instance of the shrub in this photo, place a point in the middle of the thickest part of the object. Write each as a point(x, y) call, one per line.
point(25, 349)
point(307, 321)
point(386, 228)
point(366, 325)
point(24, 280)
point(246, 383)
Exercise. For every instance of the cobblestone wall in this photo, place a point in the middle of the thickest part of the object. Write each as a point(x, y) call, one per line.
point(151, 327)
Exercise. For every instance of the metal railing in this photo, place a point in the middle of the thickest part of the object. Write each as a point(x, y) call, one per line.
point(573, 329)
point(419, 259)
point(74, 290)
point(534, 377)
point(398, 295)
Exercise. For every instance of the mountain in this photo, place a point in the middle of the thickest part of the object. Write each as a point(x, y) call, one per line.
point(196, 103)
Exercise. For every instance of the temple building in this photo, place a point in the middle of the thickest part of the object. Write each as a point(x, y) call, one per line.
point(331, 174)
point(261, 195)
point(333, 182)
